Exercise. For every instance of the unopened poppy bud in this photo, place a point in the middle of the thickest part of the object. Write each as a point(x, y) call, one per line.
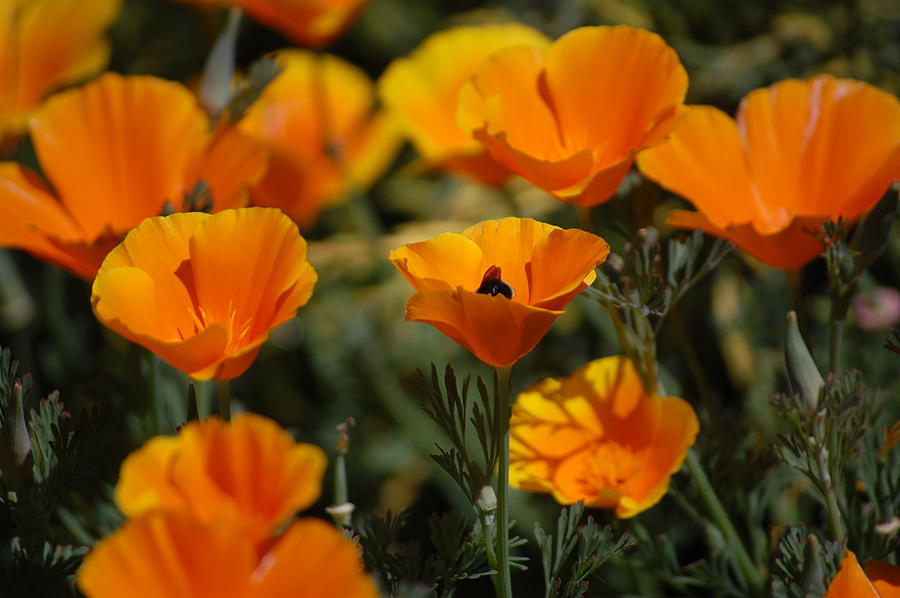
point(15, 443)
point(487, 500)
point(803, 375)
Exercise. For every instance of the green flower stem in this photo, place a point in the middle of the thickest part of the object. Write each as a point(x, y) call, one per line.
point(504, 585)
point(720, 518)
point(489, 548)
point(835, 343)
point(224, 399)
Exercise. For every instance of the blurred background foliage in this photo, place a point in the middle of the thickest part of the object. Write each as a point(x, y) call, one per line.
point(351, 354)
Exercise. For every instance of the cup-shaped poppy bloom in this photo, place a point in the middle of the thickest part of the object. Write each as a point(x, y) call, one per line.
point(171, 555)
point(882, 581)
point(422, 91)
point(117, 151)
point(317, 120)
point(497, 287)
point(312, 23)
point(45, 45)
point(571, 118)
point(203, 291)
point(597, 436)
point(248, 474)
point(799, 153)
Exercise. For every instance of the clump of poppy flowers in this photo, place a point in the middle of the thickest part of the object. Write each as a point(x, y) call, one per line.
point(717, 415)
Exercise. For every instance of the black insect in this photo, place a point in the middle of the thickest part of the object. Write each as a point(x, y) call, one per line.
point(492, 284)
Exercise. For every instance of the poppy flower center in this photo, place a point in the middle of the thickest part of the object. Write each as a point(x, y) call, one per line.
point(610, 466)
point(492, 284)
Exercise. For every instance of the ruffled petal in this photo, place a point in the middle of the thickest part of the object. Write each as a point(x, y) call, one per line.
point(145, 483)
point(563, 265)
point(249, 474)
point(885, 577)
point(445, 262)
point(233, 161)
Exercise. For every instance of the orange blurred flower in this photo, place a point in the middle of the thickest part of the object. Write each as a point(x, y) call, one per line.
point(422, 91)
point(597, 436)
point(312, 23)
point(170, 555)
point(497, 287)
point(571, 118)
point(316, 118)
point(248, 474)
point(799, 153)
point(47, 44)
point(116, 151)
point(883, 580)
point(203, 291)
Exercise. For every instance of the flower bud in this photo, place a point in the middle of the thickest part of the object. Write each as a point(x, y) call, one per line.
point(803, 375)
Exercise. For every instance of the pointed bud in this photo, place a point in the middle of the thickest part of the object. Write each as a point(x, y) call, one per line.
point(803, 375)
point(15, 443)
point(215, 88)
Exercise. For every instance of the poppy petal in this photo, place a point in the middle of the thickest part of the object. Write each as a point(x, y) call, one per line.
point(147, 131)
point(421, 91)
point(851, 581)
point(563, 264)
point(232, 162)
point(645, 73)
point(790, 248)
point(57, 42)
point(29, 214)
point(145, 482)
point(249, 473)
point(885, 577)
point(703, 161)
point(171, 555)
point(245, 263)
point(496, 330)
point(314, 560)
point(444, 262)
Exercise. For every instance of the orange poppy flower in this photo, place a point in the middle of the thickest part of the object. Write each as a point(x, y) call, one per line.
point(47, 44)
point(422, 91)
point(799, 153)
point(202, 291)
point(116, 151)
point(316, 118)
point(597, 436)
point(170, 555)
point(497, 287)
point(312, 23)
point(883, 580)
point(571, 118)
point(248, 474)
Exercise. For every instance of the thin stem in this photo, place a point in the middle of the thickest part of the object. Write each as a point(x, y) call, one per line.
point(835, 523)
point(720, 518)
point(835, 343)
point(224, 399)
point(504, 585)
point(584, 218)
point(489, 548)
